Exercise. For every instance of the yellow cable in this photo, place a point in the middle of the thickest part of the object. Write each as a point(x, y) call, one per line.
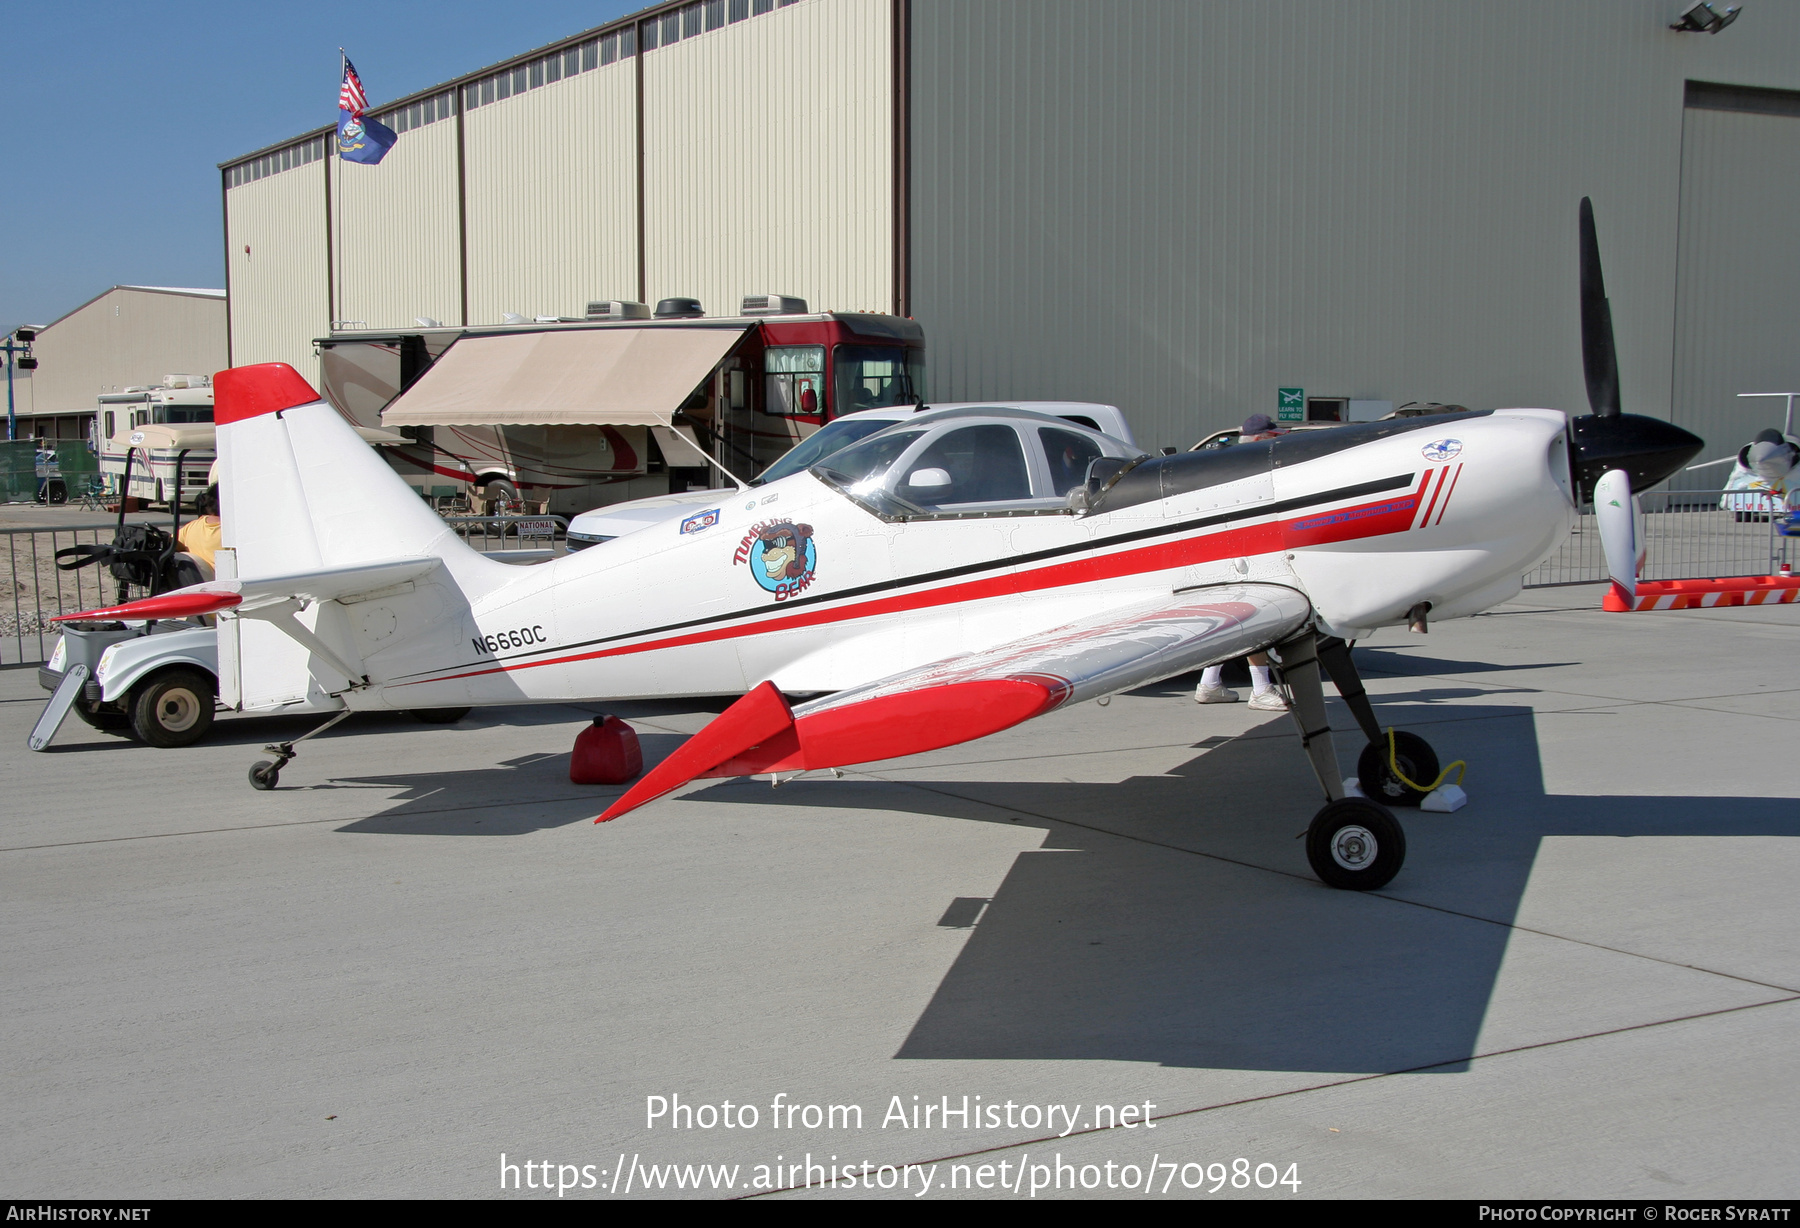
point(1394, 767)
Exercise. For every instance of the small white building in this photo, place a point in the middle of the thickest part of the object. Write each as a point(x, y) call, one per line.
point(125, 336)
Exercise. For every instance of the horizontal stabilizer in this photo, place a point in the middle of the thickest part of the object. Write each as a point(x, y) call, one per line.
point(258, 593)
point(182, 603)
point(968, 697)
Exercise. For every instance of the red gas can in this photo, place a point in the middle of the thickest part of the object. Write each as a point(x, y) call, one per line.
point(606, 753)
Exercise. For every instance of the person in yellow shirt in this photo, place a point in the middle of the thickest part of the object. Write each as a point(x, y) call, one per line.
point(201, 535)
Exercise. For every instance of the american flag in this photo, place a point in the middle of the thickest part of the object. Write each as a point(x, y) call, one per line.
point(350, 95)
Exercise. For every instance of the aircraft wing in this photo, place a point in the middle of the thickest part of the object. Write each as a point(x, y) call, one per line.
point(254, 593)
point(962, 698)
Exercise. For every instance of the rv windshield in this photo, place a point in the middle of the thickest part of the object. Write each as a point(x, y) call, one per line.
point(820, 444)
point(182, 413)
point(875, 376)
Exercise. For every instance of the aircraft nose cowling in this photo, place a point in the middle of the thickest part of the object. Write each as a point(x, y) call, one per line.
point(1647, 449)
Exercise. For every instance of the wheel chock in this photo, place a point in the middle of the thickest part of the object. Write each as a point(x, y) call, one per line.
point(1445, 799)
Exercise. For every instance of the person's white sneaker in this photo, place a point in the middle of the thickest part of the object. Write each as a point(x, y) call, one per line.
point(1215, 695)
point(1268, 701)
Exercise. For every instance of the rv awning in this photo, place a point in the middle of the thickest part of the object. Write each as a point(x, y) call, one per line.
point(565, 377)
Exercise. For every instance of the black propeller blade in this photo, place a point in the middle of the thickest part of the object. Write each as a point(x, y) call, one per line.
point(1647, 449)
point(1599, 356)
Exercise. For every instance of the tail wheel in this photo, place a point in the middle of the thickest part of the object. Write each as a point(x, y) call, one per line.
point(174, 707)
point(1418, 764)
point(1355, 844)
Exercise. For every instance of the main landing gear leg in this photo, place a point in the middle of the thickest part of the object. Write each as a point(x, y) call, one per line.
point(1375, 767)
point(265, 774)
point(1353, 843)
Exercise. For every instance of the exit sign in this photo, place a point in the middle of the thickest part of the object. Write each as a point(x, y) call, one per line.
point(1290, 405)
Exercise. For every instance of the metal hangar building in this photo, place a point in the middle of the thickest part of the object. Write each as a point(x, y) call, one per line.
point(1176, 206)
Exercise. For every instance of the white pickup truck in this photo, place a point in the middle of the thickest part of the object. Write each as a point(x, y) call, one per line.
point(616, 520)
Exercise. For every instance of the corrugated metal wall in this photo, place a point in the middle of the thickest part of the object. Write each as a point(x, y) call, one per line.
point(552, 208)
point(1181, 207)
point(396, 235)
point(1738, 310)
point(768, 160)
point(275, 262)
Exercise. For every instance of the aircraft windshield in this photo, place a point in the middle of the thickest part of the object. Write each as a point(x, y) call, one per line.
point(832, 437)
point(861, 465)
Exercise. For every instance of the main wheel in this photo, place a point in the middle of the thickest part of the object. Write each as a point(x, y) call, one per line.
point(173, 707)
point(1418, 763)
point(264, 774)
point(438, 716)
point(1355, 844)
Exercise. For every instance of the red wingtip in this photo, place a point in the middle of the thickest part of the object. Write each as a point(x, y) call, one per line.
point(755, 718)
point(169, 605)
point(265, 388)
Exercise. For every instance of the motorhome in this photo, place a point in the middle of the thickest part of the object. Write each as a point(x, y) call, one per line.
point(621, 403)
point(154, 426)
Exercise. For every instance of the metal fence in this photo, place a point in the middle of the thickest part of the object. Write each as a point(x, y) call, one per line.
point(36, 590)
point(522, 538)
point(1686, 532)
point(1687, 536)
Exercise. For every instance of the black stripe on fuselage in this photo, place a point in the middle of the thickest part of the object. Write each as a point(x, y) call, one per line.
point(1357, 491)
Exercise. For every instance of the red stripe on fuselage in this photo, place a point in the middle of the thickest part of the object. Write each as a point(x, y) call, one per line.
point(1365, 520)
point(1442, 474)
point(1454, 479)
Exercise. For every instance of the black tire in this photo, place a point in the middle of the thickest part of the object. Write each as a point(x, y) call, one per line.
point(1417, 761)
point(1355, 844)
point(173, 707)
point(104, 719)
point(438, 716)
point(264, 774)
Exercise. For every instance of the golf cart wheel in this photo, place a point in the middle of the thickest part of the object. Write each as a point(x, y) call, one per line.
point(438, 716)
point(264, 774)
point(1355, 844)
point(1418, 762)
point(173, 707)
point(105, 719)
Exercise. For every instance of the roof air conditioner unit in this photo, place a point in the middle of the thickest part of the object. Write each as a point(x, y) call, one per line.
point(617, 309)
point(187, 381)
point(773, 305)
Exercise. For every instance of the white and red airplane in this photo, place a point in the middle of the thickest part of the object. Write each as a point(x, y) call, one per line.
point(947, 578)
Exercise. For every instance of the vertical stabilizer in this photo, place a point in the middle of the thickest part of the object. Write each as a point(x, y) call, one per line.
point(300, 490)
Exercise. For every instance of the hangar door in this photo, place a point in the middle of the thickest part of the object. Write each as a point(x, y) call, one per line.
point(1737, 293)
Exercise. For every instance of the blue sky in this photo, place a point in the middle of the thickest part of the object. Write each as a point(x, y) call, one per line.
point(119, 113)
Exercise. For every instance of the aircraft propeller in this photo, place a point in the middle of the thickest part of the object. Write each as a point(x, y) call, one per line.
point(1615, 454)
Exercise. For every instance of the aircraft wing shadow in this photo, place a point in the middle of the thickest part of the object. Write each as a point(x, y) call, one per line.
point(1173, 918)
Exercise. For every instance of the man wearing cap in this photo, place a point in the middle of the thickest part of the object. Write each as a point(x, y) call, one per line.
point(1212, 689)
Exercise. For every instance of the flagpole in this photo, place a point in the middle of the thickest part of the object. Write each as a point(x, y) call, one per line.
point(338, 191)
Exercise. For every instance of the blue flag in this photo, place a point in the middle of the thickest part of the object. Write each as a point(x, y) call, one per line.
point(359, 138)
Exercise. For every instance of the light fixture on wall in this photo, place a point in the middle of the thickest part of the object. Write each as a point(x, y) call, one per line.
point(1701, 18)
